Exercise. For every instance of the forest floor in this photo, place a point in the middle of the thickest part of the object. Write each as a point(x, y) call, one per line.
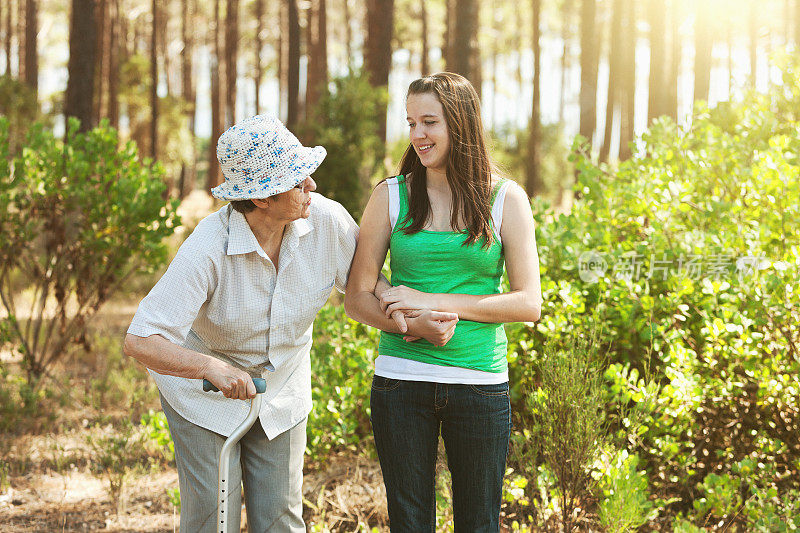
point(49, 480)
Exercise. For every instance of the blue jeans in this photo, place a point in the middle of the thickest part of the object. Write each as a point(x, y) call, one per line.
point(475, 423)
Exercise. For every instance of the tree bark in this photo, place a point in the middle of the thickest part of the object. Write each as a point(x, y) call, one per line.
point(378, 49)
point(259, 71)
point(535, 184)
point(703, 45)
point(628, 88)
point(752, 26)
point(464, 56)
point(614, 77)
point(154, 82)
point(114, 62)
point(657, 13)
point(31, 55)
point(21, 39)
point(216, 104)
point(671, 106)
point(80, 68)
point(231, 57)
point(566, 36)
point(292, 57)
point(423, 15)
point(9, 20)
point(589, 56)
point(317, 78)
point(188, 179)
point(100, 71)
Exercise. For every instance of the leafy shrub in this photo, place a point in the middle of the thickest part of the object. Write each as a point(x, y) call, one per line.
point(625, 503)
point(77, 218)
point(346, 122)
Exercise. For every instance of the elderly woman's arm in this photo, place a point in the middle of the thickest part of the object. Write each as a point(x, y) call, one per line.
point(360, 301)
point(165, 357)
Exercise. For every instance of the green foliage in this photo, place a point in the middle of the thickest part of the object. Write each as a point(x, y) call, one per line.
point(346, 122)
point(156, 429)
point(19, 106)
point(341, 377)
point(566, 427)
point(625, 503)
point(112, 454)
point(697, 303)
point(77, 218)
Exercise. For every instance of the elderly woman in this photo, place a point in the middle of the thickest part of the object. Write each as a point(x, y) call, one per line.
point(238, 301)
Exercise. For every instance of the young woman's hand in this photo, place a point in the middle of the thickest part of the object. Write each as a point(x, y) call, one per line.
point(436, 327)
point(405, 298)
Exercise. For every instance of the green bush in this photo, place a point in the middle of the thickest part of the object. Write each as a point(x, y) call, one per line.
point(697, 246)
point(77, 218)
point(346, 122)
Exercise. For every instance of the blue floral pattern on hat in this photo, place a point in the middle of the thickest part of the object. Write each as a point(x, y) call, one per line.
point(260, 158)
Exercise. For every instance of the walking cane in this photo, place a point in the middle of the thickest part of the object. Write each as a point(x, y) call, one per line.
point(225, 454)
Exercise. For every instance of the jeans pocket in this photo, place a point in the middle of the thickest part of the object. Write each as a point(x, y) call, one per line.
point(380, 383)
point(495, 390)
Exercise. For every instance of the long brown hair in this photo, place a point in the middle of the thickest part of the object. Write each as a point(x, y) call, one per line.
point(468, 167)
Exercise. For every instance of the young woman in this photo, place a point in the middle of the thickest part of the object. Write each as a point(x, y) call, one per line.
point(450, 225)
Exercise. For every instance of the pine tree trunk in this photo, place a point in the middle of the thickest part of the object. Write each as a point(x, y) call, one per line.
point(614, 77)
point(317, 78)
point(21, 39)
point(293, 65)
point(231, 57)
point(535, 184)
point(566, 36)
point(163, 47)
point(674, 69)
point(259, 71)
point(628, 89)
point(216, 104)
point(154, 81)
point(189, 170)
point(657, 13)
point(423, 15)
point(8, 25)
point(752, 24)
point(80, 68)
point(589, 56)
point(114, 63)
point(378, 49)
point(464, 56)
point(100, 72)
point(31, 55)
point(703, 46)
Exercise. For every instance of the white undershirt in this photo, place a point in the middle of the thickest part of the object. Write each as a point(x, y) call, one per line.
point(391, 367)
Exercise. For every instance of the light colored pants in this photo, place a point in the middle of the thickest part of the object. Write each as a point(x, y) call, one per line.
point(271, 471)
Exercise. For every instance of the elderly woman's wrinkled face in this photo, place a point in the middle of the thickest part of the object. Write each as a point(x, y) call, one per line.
point(294, 203)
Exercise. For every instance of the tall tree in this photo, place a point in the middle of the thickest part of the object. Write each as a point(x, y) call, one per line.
point(674, 68)
point(752, 26)
point(8, 9)
point(154, 81)
point(217, 119)
point(628, 88)
point(100, 67)
point(656, 14)
point(188, 178)
point(231, 57)
point(291, 59)
point(703, 45)
point(464, 56)
point(259, 70)
point(80, 68)
point(614, 77)
point(317, 78)
point(21, 39)
point(423, 16)
point(31, 55)
point(589, 57)
point(378, 48)
point(534, 182)
point(114, 62)
point(566, 37)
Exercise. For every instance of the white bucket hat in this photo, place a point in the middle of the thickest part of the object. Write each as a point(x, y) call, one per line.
point(260, 158)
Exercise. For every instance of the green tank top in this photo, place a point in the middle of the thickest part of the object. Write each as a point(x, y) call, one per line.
point(439, 262)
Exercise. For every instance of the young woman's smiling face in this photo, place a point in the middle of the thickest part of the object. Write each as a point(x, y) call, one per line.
point(428, 130)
